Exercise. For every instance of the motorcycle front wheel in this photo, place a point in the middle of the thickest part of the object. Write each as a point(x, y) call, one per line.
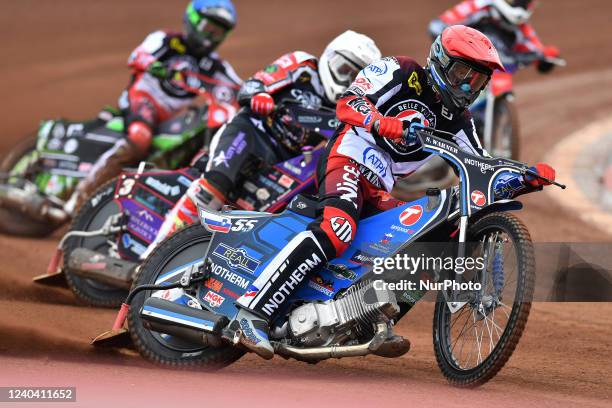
point(473, 344)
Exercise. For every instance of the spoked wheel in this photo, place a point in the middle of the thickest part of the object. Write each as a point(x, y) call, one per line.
point(475, 342)
point(91, 216)
point(165, 266)
point(505, 137)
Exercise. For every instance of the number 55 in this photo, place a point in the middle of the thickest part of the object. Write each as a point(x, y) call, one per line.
point(243, 225)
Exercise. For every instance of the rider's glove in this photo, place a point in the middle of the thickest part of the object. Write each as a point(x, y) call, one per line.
point(548, 52)
point(390, 127)
point(158, 70)
point(262, 104)
point(551, 52)
point(543, 170)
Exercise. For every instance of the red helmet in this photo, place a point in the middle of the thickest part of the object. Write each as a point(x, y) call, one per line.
point(460, 64)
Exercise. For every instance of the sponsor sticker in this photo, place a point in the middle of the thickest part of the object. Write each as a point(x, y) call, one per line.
point(321, 285)
point(214, 284)
point(377, 68)
point(375, 161)
point(236, 258)
point(285, 181)
point(342, 228)
point(213, 299)
point(362, 258)
point(411, 215)
point(215, 223)
point(162, 187)
point(478, 198)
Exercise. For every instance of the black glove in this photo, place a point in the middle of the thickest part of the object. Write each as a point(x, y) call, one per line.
point(544, 67)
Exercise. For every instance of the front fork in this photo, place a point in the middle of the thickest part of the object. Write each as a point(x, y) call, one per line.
point(453, 299)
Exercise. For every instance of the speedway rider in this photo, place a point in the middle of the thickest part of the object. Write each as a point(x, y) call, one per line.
point(296, 76)
point(153, 96)
point(506, 24)
point(367, 154)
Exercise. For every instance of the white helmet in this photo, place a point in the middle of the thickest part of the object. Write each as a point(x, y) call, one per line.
point(515, 11)
point(342, 59)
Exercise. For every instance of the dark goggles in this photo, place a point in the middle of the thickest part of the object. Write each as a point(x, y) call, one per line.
point(209, 30)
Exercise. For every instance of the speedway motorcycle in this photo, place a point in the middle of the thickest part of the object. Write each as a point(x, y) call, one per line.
point(41, 172)
point(103, 248)
point(183, 297)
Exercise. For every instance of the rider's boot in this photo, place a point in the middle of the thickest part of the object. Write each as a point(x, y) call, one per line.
point(185, 211)
point(278, 281)
point(110, 164)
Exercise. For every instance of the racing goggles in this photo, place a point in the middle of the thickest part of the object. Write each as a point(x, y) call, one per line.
point(465, 77)
point(208, 30)
point(343, 70)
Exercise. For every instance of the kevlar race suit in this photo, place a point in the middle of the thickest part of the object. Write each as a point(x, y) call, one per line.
point(245, 139)
point(356, 174)
point(149, 100)
point(508, 38)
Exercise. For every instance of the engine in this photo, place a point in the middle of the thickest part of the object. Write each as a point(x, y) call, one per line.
point(355, 313)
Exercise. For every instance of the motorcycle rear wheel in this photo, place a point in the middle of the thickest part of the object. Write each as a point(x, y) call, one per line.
point(457, 369)
point(91, 217)
point(184, 246)
point(13, 222)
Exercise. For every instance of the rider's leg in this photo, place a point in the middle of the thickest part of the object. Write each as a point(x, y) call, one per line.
point(233, 147)
point(326, 238)
point(141, 119)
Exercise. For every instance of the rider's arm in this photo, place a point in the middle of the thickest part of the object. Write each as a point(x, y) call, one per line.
point(358, 105)
point(527, 40)
point(278, 75)
point(529, 43)
point(151, 49)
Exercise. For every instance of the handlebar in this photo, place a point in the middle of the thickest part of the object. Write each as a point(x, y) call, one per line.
point(425, 131)
point(536, 175)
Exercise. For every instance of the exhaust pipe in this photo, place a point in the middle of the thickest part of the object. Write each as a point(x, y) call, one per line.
point(102, 268)
point(195, 325)
point(381, 344)
point(31, 204)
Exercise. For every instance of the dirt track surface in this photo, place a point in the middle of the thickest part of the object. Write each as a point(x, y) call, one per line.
point(66, 58)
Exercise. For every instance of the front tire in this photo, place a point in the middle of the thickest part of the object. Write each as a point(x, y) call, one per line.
point(185, 246)
point(91, 216)
point(456, 365)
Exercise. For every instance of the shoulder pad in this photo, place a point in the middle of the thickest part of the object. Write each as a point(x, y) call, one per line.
point(301, 56)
